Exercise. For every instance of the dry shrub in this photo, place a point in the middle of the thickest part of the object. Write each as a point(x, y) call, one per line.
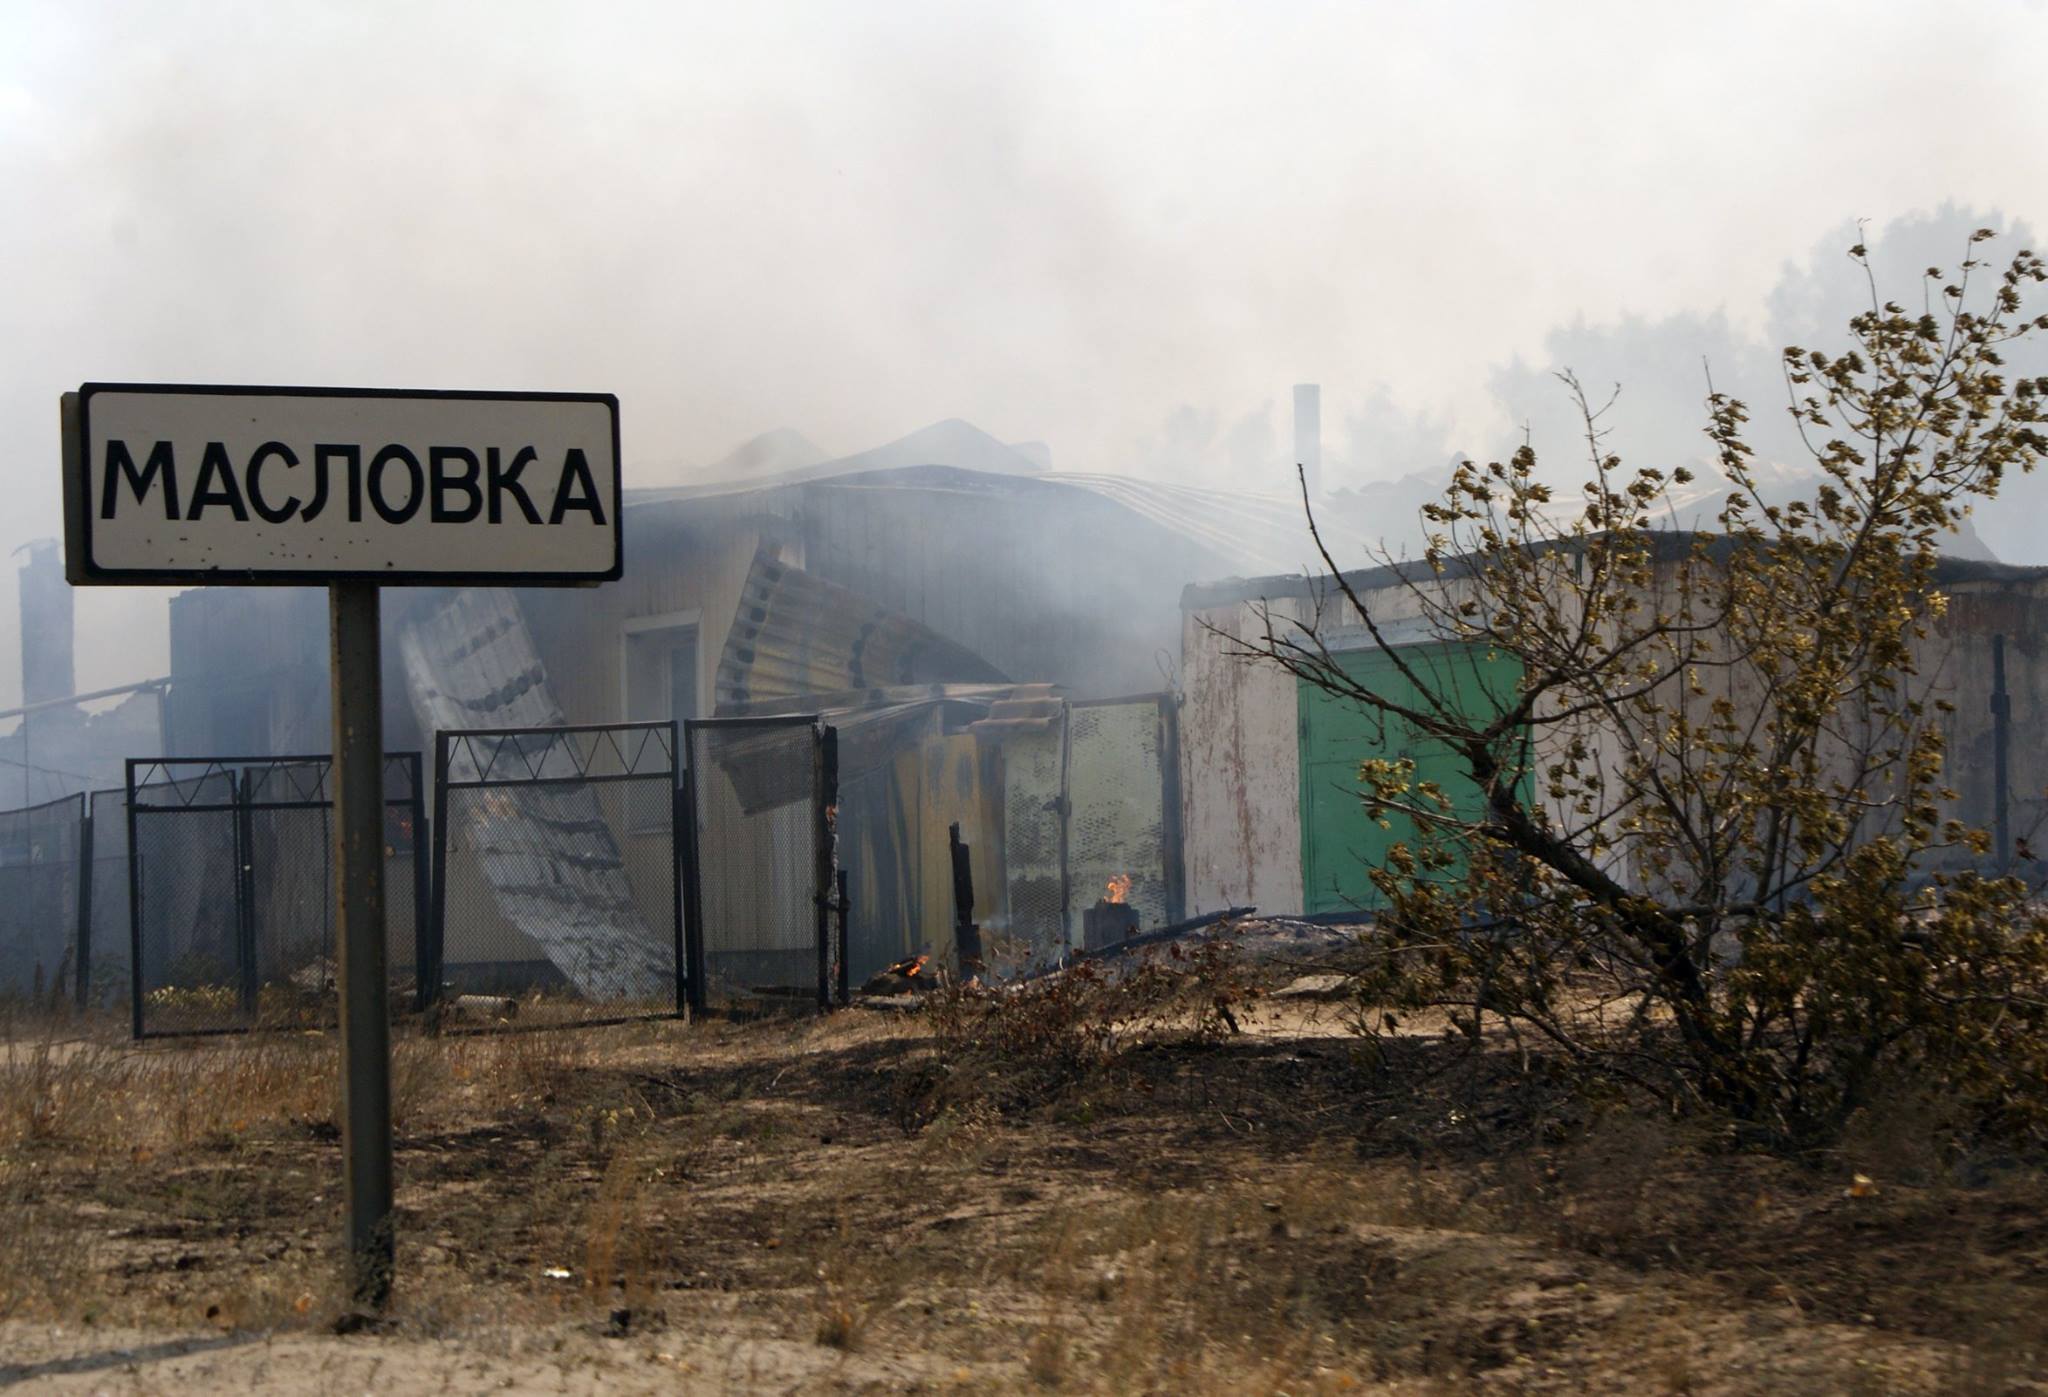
point(52, 1091)
point(103, 1099)
point(1015, 1046)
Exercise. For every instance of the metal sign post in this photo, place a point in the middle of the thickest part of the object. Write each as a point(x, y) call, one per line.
point(357, 675)
point(353, 489)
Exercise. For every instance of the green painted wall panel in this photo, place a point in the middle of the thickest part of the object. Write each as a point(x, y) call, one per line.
point(1338, 843)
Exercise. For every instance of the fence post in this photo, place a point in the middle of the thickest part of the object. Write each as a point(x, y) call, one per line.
point(245, 892)
point(693, 888)
point(1174, 859)
point(82, 967)
point(845, 957)
point(422, 846)
point(675, 862)
point(435, 947)
point(135, 967)
point(827, 789)
point(2001, 746)
point(1066, 812)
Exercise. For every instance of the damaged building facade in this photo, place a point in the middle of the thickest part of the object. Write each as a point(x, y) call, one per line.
point(992, 650)
point(1023, 661)
point(1273, 815)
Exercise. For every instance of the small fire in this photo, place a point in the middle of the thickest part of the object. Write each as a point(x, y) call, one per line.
point(1119, 888)
point(909, 969)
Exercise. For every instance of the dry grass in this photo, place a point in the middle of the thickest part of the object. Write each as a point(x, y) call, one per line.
point(858, 1204)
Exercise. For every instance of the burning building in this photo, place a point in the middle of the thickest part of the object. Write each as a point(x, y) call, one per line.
point(993, 647)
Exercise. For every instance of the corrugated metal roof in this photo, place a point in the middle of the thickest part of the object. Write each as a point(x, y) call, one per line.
point(553, 866)
point(1249, 532)
point(794, 633)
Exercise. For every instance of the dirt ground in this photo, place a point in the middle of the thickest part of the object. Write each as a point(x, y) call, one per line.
point(814, 1206)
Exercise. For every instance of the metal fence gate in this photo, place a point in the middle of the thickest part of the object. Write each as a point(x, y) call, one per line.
point(231, 891)
point(762, 902)
point(41, 863)
point(1123, 808)
point(557, 870)
point(1091, 812)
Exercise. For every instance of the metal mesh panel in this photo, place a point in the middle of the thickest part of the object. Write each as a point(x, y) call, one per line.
point(760, 795)
point(874, 826)
point(894, 819)
point(558, 869)
point(39, 877)
point(109, 914)
point(1118, 824)
point(1032, 931)
point(183, 847)
point(233, 889)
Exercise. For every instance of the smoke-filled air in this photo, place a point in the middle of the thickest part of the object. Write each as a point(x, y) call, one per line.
point(1024, 696)
point(1120, 231)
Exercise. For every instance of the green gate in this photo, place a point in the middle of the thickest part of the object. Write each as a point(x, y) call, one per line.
point(1338, 843)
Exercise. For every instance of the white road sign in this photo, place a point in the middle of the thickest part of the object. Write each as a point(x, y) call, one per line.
point(178, 483)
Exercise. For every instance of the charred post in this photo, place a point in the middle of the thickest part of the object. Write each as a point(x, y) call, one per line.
point(966, 933)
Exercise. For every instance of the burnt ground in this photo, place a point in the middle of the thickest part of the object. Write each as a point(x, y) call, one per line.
point(836, 1205)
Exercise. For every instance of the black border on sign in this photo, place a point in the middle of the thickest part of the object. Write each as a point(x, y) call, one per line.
point(81, 570)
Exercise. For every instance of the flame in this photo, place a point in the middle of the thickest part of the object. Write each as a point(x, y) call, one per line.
point(915, 966)
point(1119, 888)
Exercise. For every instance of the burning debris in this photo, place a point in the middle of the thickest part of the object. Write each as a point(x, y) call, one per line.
point(1112, 919)
point(912, 975)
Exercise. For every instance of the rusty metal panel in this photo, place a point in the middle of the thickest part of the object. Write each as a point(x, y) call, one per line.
point(796, 633)
point(954, 793)
point(1118, 826)
point(759, 811)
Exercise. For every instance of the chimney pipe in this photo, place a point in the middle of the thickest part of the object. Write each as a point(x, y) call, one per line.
point(46, 624)
point(1308, 435)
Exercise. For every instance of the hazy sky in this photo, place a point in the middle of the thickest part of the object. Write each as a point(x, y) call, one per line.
point(1059, 221)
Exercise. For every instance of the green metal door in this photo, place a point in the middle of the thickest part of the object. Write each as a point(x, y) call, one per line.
point(1338, 843)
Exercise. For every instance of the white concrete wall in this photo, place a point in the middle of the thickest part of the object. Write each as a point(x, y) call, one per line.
point(1240, 757)
point(1240, 745)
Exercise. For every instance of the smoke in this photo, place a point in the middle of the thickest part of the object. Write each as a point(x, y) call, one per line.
point(1058, 223)
point(1652, 376)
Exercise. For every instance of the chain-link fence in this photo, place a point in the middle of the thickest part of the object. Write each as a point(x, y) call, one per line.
point(231, 891)
point(557, 875)
point(1088, 828)
point(1123, 810)
point(40, 873)
point(762, 898)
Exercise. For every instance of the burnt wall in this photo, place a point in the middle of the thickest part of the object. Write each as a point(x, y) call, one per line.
point(1049, 583)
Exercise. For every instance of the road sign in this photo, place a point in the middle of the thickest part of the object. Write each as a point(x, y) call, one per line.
point(171, 483)
point(351, 489)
